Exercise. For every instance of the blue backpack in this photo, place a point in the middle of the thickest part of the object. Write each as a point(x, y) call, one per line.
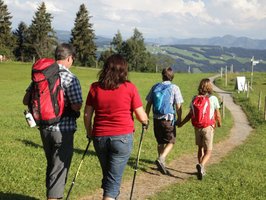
point(161, 95)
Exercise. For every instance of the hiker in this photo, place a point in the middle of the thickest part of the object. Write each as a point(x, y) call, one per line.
point(166, 100)
point(208, 104)
point(113, 99)
point(57, 138)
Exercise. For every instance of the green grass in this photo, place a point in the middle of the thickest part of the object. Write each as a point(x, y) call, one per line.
point(22, 168)
point(241, 174)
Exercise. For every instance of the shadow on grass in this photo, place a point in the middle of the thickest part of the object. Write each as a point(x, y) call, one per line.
point(35, 145)
point(131, 162)
point(142, 165)
point(10, 196)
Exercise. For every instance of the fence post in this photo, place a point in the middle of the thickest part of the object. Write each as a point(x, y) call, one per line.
point(248, 89)
point(225, 76)
point(223, 108)
point(265, 108)
point(259, 102)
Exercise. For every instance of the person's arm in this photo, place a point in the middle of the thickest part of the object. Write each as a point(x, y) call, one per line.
point(185, 120)
point(218, 117)
point(88, 113)
point(178, 113)
point(141, 115)
point(74, 94)
point(148, 108)
point(26, 98)
point(76, 107)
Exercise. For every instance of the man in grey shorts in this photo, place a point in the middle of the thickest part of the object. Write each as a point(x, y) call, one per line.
point(58, 138)
point(164, 117)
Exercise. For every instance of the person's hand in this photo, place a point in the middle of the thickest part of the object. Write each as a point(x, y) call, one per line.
point(89, 133)
point(145, 125)
point(178, 124)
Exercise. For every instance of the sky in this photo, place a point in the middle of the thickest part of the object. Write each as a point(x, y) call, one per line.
point(154, 18)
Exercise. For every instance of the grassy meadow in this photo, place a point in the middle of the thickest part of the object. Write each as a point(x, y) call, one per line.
point(22, 160)
point(241, 174)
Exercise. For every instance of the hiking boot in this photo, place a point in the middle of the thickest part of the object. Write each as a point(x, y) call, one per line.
point(200, 171)
point(161, 166)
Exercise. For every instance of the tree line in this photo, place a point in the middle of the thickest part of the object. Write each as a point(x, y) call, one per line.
point(38, 40)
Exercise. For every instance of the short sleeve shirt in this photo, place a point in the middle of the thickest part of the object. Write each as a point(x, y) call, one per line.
point(113, 109)
point(176, 98)
point(214, 104)
point(73, 95)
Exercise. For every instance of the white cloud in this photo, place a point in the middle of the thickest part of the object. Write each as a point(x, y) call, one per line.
point(176, 18)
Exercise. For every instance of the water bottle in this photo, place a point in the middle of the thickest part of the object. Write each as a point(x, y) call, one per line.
point(29, 118)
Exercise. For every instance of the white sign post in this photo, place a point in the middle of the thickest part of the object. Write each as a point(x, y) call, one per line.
point(241, 84)
point(253, 63)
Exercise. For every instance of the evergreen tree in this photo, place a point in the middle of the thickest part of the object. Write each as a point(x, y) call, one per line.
point(83, 38)
point(135, 51)
point(103, 57)
point(41, 34)
point(117, 42)
point(7, 40)
point(21, 51)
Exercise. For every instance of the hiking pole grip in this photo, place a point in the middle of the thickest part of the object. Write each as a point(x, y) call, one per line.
point(74, 179)
point(137, 161)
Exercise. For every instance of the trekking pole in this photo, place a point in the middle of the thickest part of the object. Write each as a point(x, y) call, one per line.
point(74, 179)
point(137, 159)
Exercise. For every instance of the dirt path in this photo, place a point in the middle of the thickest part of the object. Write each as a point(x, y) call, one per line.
point(150, 182)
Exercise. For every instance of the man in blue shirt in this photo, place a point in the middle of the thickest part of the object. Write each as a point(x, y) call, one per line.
point(166, 110)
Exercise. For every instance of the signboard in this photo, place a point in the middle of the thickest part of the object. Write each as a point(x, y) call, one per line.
point(241, 84)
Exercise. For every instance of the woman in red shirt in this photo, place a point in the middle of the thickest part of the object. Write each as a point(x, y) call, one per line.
point(113, 99)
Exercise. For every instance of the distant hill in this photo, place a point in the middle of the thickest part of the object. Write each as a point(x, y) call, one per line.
point(208, 58)
point(225, 41)
point(199, 55)
point(64, 36)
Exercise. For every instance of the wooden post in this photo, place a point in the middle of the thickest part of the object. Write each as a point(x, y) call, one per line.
point(265, 108)
point(232, 69)
point(225, 76)
point(248, 90)
point(223, 108)
point(259, 102)
point(221, 72)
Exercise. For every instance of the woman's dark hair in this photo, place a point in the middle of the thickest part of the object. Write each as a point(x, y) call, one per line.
point(64, 50)
point(114, 72)
point(167, 74)
point(205, 87)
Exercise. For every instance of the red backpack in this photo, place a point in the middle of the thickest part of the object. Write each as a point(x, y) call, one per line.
point(201, 112)
point(47, 95)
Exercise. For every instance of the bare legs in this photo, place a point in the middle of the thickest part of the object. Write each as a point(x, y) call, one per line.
point(203, 155)
point(164, 150)
point(107, 198)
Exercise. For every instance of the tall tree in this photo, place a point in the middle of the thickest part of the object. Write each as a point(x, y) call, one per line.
point(41, 34)
point(117, 42)
point(82, 38)
point(135, 51)
point(7, 40)
point(21, 51)
point(103, 57)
